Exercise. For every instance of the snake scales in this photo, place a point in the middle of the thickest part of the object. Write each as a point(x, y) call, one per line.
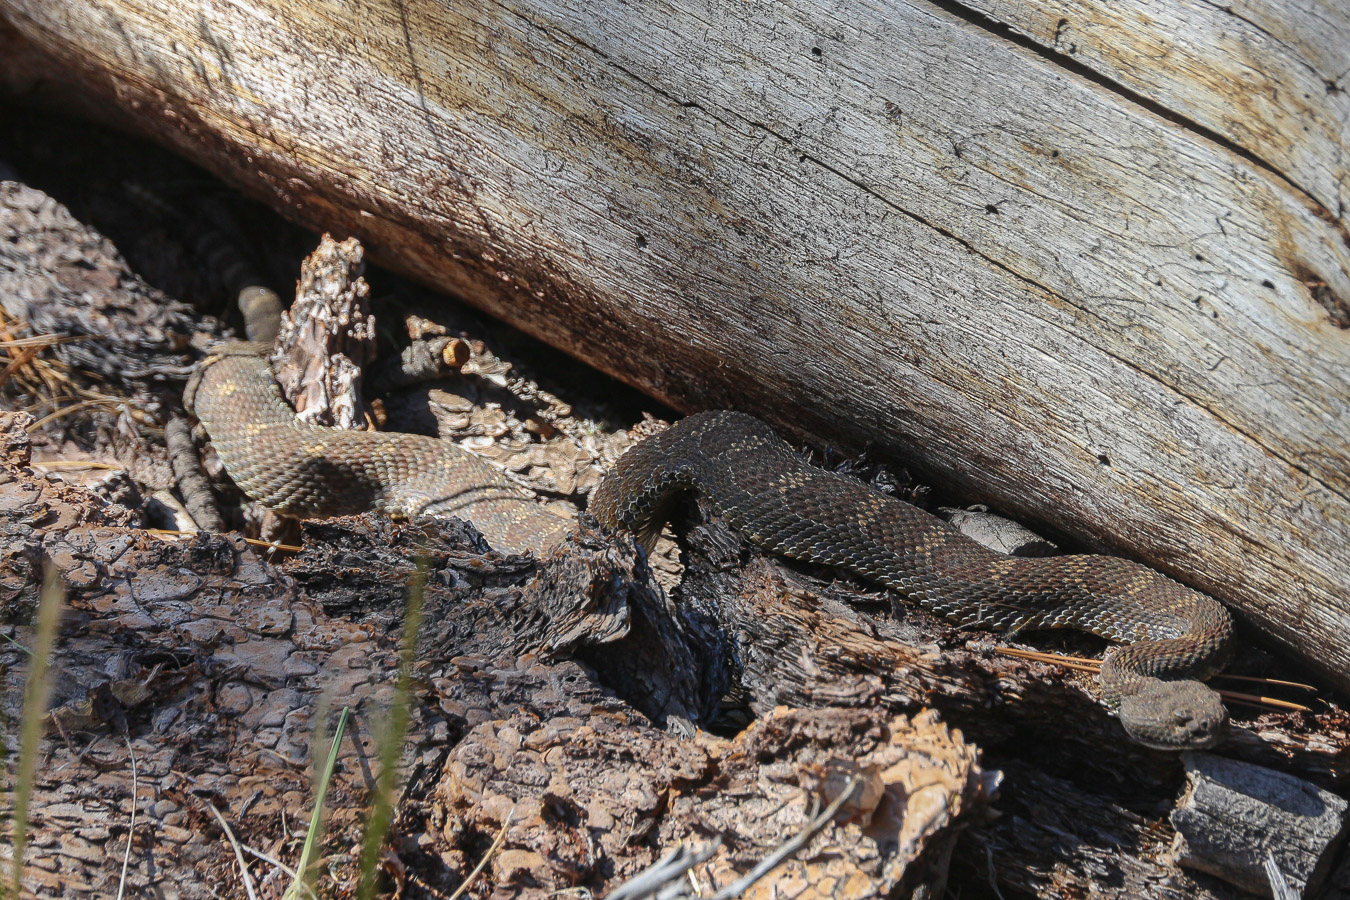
point(313, 471)
point(755, 481)
point(763, 489)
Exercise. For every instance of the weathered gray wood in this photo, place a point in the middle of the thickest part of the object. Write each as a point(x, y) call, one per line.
point(998, 532)
point(1269, 77)
point(866, 221)
point(1234, 815)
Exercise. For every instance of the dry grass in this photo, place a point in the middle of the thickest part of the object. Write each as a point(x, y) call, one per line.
point(45, 386)
point(32, 721)
point(389, 740)
point(1085, 664)
point(306, 873)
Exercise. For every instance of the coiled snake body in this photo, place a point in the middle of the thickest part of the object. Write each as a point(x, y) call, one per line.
point(755, 481)
point(763, 489)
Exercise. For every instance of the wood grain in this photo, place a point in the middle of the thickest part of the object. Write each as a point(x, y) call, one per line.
point(1269, 78)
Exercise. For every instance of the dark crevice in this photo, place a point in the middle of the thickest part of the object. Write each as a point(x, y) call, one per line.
point(1008, 33)
point(1337, 308)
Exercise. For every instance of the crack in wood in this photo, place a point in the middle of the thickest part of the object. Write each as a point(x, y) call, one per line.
point(1174, 117)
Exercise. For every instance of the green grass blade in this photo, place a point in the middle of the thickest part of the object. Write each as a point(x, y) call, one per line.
point(390, 740)
point(305, 874)
point(36, 694)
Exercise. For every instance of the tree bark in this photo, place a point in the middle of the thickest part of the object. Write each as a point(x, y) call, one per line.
point(1098, 292)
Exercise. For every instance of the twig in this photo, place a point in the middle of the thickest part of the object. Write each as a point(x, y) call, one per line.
point(58, 464)
point(1274, 681)
point(1254, 700)
point(67, 410)
point(281, 866)
point(1048, 657)
point(131, 828)
point(482, 863)
point(20, 359)
point(238, 854)
point(1093, 665)
point(665, 871)
point(791, 846)
point(271, 545)
point(47, 340)
point(1279, 887)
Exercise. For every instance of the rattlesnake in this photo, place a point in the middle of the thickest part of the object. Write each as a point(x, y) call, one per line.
point(753, 479)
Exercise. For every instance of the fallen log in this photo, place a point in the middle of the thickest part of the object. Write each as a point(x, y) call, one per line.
point(910, 225)
point(1236, 820)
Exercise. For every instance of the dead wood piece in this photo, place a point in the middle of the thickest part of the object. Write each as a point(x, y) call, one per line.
point(16, 448)
point(1312, 745)
point(425, 359)
point(1236, 818)
point(998, 532)
point(649, 790)
point(1062, 840)
point(592, 598)
point(327, 336)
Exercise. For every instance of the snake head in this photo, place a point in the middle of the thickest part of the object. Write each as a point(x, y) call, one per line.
point(1174, 715)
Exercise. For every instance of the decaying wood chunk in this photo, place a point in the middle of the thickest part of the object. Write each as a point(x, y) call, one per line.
point(1119, 311)
point(425, 359)
point(999, 532)
point(581, 793)
point(327, 336)
point(1234, 817)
